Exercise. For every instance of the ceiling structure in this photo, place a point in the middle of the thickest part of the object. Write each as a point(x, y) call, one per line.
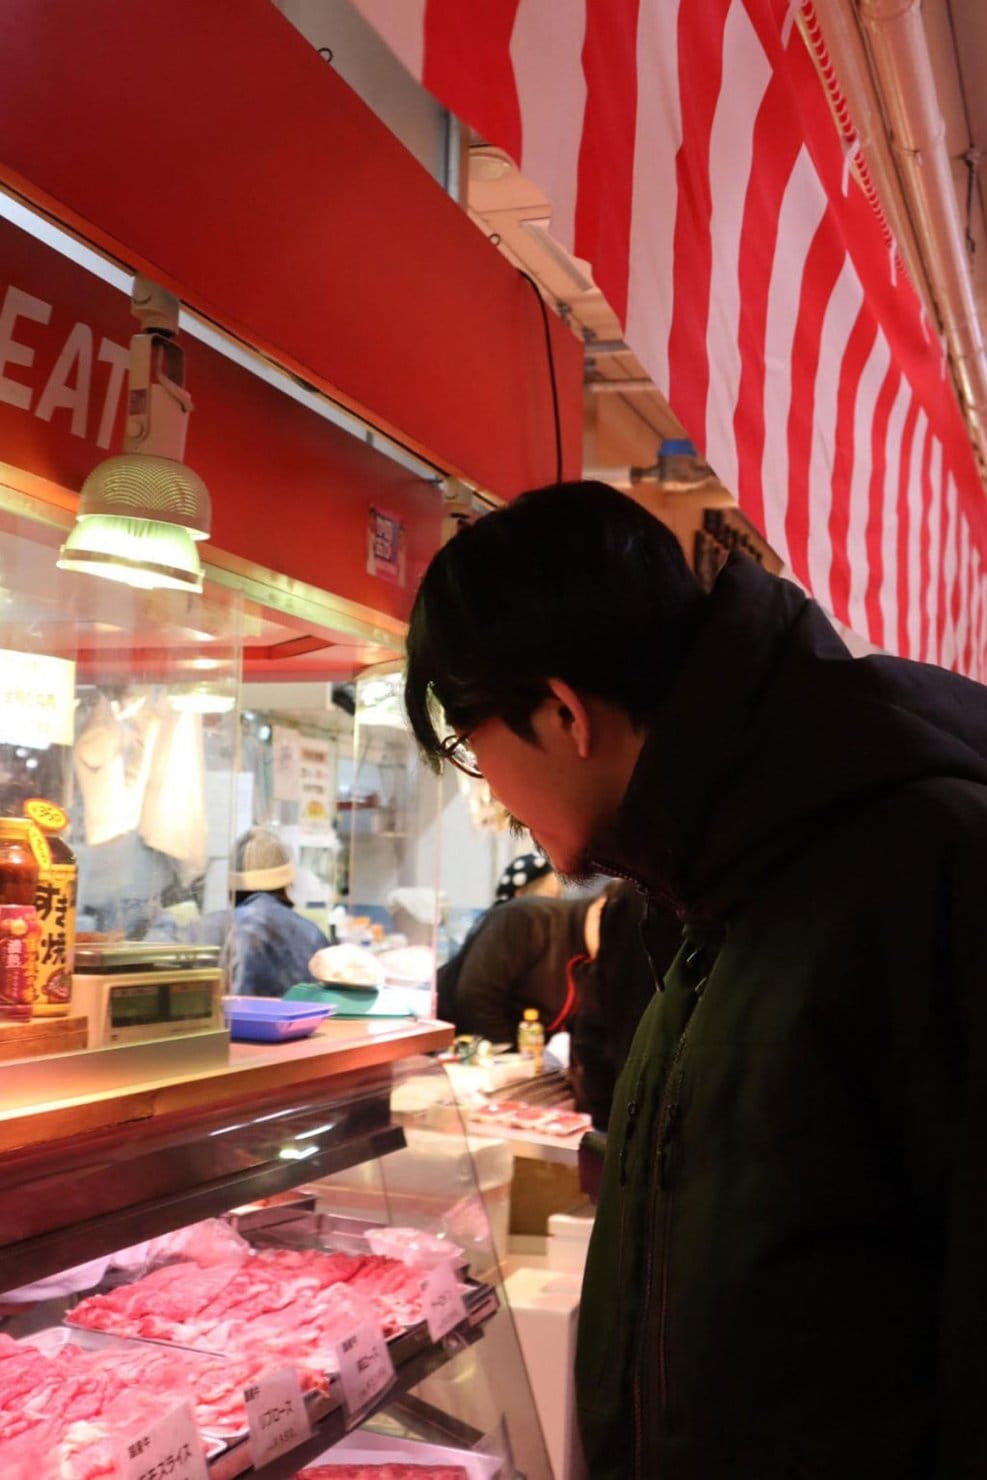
point(626, 415)
point(626, 418)
point(891, 112)
point(956, 32)
point(905, 81)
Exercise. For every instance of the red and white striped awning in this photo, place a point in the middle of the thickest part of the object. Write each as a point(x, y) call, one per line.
point(692, 154)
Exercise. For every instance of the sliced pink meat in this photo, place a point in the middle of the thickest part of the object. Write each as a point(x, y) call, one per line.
point(383, 1472)
point(281, 1300)
point(68, 1410)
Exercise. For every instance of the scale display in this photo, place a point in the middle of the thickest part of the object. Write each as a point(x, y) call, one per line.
point(130, 1006)
point(144, 1005)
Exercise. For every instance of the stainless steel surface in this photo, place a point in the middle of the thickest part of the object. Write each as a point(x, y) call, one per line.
point(325, 1231)
point(100, 957)
point(249, 1220)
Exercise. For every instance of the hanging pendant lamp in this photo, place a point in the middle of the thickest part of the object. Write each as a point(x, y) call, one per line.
point(141, 512)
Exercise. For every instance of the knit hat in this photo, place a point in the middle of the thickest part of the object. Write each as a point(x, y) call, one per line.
point(260, 861)
point(524, 869)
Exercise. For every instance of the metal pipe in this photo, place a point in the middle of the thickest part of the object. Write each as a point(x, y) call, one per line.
point(906, 81)
point(851, 64)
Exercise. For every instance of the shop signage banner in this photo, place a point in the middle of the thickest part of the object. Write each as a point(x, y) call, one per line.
point(692, 155)
point(379, 291)
point(280, 475)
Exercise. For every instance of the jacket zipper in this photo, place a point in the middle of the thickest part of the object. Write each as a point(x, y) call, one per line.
point(633, 1108)
point(667, 1119)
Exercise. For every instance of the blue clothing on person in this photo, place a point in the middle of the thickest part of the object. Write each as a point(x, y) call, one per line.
point(266, 945)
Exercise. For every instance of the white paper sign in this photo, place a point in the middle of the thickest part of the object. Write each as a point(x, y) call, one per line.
point(442, 1302)
point(276, 1413)
point(37, 699)
point(287, 747)
point(315, 795)
point(168, 1450)
point(365, 1367)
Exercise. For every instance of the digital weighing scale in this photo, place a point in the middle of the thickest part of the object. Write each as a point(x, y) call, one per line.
point(132, 992)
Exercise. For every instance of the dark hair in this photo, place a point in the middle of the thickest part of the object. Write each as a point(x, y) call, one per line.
point(574, 581)
point(281, 895)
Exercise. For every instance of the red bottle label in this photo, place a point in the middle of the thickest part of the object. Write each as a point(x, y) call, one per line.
point(19, 935)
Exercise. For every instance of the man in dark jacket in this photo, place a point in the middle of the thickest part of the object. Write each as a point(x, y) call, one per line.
point(788, 1275)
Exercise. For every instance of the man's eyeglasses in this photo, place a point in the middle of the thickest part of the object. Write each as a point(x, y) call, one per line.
point(458, 750)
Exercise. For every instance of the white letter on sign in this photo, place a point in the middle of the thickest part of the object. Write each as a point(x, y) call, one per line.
point(18, 305)
point(116, 356)
point(76, 358)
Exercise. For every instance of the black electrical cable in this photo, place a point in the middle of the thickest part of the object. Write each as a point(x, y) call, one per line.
point(551, 373)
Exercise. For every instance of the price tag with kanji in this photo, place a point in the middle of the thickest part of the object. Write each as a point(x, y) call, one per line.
point(276, 1413)
point(365, 1367)
point(442, 1301)
point(167, 1450)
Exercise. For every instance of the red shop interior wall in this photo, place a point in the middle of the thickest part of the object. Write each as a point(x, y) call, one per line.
point(246, 176)
point(291, 491)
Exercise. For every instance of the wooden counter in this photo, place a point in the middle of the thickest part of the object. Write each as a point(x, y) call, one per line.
point(68, 1099)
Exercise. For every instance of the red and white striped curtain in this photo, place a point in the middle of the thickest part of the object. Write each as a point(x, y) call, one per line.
point(697, 153)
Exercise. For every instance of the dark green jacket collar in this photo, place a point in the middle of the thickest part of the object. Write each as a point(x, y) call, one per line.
point(752, 745)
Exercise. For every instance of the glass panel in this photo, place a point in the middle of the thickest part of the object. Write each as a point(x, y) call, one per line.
point(356, 1197)
point(387, 812)
point(118, 705)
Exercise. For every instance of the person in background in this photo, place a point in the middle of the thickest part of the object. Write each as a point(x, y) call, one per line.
point(787, 1273)
point(614, 984)
point(527, 875)
point(266, 945)
point(519, 954)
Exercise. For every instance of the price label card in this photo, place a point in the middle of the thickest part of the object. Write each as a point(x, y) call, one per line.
point(167, 1450)
point(276, 1413)
point(365, 1367)
point(442, 1301)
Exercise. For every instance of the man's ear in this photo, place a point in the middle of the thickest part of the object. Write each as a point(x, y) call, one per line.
point(566, 709)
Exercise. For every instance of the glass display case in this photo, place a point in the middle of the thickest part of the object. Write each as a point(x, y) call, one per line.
point(118, 705)
point(312, 1224)
point(327, 1244)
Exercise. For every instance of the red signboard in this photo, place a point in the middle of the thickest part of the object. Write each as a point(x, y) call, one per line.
point(290, 491)
point(209, 145)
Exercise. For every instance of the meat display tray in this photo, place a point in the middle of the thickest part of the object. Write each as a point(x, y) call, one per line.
point(413, 1352)
point(414, 1355)
point(52, 1339)
point(329, 1233)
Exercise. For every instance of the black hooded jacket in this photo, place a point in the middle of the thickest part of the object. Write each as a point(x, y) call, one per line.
point(788, 1274)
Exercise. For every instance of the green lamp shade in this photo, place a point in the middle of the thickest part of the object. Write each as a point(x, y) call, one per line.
point(139, 552)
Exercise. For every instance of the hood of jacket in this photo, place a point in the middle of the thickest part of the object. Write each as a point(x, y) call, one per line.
point(769, 731)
